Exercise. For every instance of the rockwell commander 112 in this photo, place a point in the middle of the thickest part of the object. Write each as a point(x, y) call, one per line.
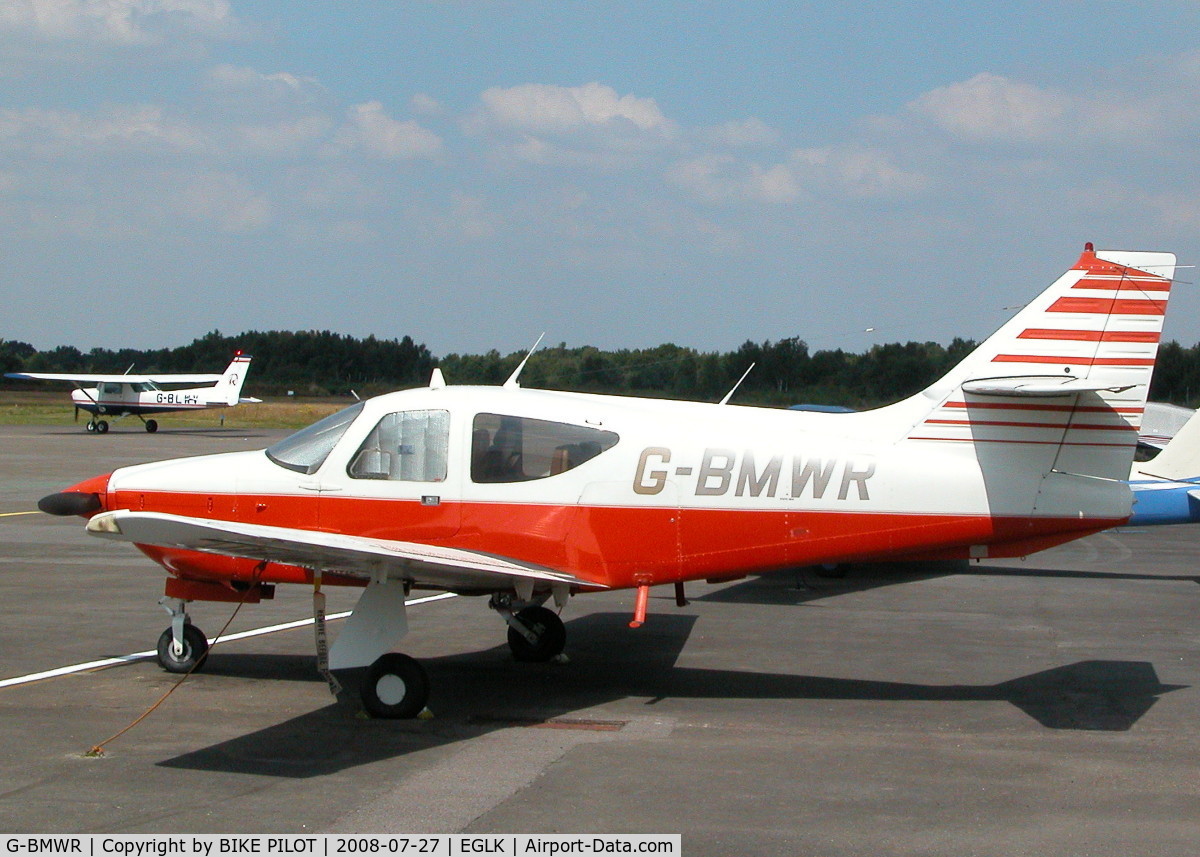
point(533, 496)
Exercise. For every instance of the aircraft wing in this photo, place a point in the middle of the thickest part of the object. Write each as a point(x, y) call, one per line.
point(81, 378)
point(452, 569)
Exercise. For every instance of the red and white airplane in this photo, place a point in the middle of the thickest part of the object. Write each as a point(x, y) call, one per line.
point(531, 496)
point(122, 395)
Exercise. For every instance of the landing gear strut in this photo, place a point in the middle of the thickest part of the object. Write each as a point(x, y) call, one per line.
point(535, 634)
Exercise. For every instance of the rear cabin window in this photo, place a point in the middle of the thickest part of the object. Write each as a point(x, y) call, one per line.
point(518, 449)
point(407, 446)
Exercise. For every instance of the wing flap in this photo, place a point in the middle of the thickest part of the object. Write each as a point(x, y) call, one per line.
point(447, 568)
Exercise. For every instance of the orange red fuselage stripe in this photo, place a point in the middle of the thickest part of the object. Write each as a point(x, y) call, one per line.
point(615, 546)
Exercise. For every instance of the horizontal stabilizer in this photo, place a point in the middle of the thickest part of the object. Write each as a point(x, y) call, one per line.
point(1039, 386)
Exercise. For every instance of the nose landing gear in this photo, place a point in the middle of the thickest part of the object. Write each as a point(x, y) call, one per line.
point(188, 656)
point(182, 647)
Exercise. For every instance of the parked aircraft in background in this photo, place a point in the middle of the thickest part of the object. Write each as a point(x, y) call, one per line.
point(1161, 422)
point(529, 495)
point(116, 396)
point(1166, 487)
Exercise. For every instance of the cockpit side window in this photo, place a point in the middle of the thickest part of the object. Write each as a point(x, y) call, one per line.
point(518, 449)
point(306, 450)
point(110, 389)
point(407, 446)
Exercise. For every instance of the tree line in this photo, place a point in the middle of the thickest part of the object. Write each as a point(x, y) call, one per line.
point(323, 363)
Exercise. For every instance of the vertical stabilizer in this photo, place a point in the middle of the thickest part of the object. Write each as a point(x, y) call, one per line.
point(1051, 403)
point(229, 388)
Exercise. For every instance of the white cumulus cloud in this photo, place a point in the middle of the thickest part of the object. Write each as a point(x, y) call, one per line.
point(806, 173)
point(225, 201)
point(742, 133)
point(369, 128)
point(548, 109)
point(991, 107)
point(122, 22)
point(723, 179)
point(245, 83)
point(122, 127)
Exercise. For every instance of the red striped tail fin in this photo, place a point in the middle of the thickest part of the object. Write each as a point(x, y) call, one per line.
point(1071, 370)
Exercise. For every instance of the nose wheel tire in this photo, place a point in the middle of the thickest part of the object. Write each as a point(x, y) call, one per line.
point(195, 651)
point(550, 635)
point(395, 687)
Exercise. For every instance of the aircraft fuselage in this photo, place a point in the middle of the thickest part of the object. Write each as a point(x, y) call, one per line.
point(700, 491)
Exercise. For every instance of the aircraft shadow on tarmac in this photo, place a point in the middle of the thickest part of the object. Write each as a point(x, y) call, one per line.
point(479, 692)
point(798, 585)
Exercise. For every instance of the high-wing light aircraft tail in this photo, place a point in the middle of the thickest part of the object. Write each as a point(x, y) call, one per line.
point(528, 495)
point(232, 380)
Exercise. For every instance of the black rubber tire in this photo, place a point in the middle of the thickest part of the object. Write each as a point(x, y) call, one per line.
point(834, 571)
point(151, 426)
point(195, 651)
point(102, 426)
point(549, 629)
point(395, 687)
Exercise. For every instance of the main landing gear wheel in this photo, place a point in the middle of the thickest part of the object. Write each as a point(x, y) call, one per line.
point(193, 656)
point(395, 687)
point(102, 426)
point(151, 426)
point(833, 571)
point(550, 635)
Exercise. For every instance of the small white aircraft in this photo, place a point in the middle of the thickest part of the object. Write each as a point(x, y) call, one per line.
point(531, 495)
point(118, 396)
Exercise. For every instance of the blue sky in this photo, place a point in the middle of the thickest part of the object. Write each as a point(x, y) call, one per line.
point(616, 174)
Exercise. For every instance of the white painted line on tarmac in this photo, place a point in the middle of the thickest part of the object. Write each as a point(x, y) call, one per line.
point(141, 656)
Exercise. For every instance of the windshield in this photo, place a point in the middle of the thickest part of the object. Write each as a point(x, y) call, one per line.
point(307, 449)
